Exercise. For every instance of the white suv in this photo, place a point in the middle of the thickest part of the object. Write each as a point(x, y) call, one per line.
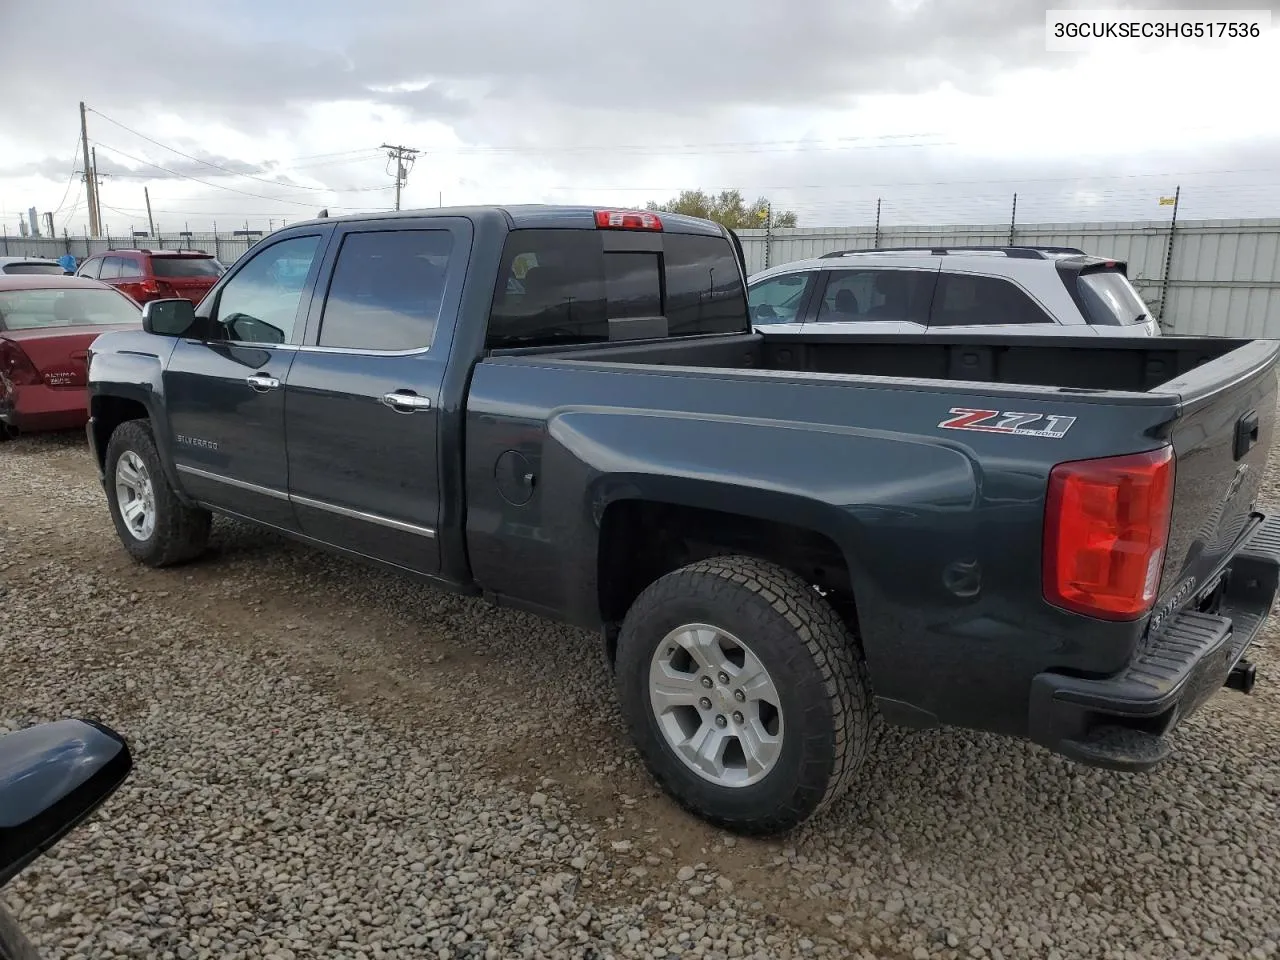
point(1051, 290)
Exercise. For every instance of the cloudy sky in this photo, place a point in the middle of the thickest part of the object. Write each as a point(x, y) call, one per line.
point(238, 112)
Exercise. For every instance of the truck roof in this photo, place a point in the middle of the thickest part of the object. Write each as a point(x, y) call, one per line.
point(527, 215)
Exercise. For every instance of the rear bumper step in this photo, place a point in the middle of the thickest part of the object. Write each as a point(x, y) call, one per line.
point(1122, 722)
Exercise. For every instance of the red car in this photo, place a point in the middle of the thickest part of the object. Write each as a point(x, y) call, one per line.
point(155, 274)
point(46, 325)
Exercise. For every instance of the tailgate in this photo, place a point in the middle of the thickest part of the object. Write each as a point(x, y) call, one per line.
point(1220, 440)
point(186, 276)
point(188, 288)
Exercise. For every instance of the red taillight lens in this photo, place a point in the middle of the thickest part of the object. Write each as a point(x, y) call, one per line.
point(1106, 529)
point(16, 367)
point(627, 220)
point(149, 286)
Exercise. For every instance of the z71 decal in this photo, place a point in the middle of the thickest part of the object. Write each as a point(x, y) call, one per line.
point(999, 421)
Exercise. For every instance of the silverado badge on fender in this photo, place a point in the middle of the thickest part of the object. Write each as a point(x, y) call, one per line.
point(998, 421)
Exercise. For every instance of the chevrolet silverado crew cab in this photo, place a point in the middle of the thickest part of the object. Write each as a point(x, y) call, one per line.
point(782, 540)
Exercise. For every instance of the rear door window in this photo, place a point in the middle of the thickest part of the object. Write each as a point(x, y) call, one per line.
point(563, 286)
point(876, 296)
point(129, 268)
point(966, 300)
point(1109, 298)
point(111, 268)
point(386, 290)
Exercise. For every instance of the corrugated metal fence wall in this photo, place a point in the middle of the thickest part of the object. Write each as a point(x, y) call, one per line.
point(226, 247)
point(1224, 276)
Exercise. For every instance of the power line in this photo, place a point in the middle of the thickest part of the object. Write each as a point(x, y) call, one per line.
point(205, 183)
point(71, 212)
point(70, 177)
point(712, 147)
point(207, 163)
point(930, 183)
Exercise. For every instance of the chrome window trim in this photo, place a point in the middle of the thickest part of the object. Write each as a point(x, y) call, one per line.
point(364, 351)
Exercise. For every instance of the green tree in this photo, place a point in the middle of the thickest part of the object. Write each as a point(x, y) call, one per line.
point(727, 207)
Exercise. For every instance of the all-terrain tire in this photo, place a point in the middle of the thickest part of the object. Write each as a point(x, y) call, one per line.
point(181, 532)
point(813, 660)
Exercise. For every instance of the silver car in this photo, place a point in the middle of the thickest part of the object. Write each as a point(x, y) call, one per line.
point(29, 265)
point(1051, 290)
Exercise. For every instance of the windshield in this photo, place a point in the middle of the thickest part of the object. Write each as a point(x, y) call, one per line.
point(1110, 299)
point(33, 268)
point(777, 300)
point(185, 267)
point(33, 309)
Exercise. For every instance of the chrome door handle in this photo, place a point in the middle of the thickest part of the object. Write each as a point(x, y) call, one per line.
point(262, 382)
point(406, 402)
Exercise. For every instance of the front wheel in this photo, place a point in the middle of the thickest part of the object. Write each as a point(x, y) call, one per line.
point(744, 693)
point(154, 525)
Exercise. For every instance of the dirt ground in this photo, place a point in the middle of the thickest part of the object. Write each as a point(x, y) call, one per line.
point(956, 844)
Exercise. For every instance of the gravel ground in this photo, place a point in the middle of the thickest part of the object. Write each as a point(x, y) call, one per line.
point(336, 762)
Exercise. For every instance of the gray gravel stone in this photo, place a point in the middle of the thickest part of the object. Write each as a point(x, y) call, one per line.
point(333, 761)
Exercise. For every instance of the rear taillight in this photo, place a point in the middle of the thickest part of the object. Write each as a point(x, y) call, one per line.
point(1106, 529)
point(627, 220)
point(149, 286)
point(16, 366)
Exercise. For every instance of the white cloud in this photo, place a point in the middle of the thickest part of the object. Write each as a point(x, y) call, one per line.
point(941, 110)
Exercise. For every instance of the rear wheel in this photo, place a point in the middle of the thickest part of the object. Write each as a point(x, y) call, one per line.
point(744, 692)
point(156, 527)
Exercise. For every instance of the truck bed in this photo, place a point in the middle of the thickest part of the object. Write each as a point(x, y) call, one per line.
point(856, 436)
point(1074, 363)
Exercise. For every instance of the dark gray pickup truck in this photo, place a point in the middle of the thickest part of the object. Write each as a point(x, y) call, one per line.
point(782, 541)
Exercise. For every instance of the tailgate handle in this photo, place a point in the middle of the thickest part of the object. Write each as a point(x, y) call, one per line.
point(1246, 433)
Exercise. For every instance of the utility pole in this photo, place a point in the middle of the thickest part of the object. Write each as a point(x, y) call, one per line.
point(1168, 256)
point(91, 182)
point(768, 233)
point(48, 219)
point(403, 157)
point(151, 224)
point(94, 181)
point(1013, 219)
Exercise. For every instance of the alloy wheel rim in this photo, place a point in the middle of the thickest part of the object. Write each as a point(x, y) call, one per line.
point(136, 496)
point(716, 705)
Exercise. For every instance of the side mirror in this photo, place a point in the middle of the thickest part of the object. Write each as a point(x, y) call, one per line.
point(168, 318)
point(52, 776)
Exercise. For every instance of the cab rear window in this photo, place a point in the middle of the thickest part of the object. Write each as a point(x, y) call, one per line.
point(563, 286)
point(1109, 299)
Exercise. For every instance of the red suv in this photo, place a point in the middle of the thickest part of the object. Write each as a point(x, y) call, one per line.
point(155, 274)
